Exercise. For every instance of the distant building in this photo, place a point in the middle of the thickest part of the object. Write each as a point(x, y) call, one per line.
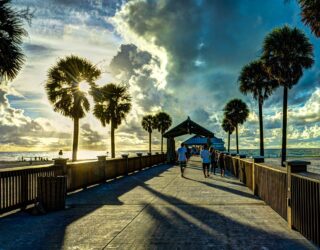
point(216, 143)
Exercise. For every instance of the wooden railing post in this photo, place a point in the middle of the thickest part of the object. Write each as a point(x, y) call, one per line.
point(23, 190)
point(102, 159)
point(256, 159)
point(125, 156)
point(62, 163)
point(140, 160)
point(241, 156)
point(293, 167)
point(63, 169)
point(241, 168)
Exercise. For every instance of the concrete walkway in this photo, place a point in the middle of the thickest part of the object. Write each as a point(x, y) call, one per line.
point(156, 209)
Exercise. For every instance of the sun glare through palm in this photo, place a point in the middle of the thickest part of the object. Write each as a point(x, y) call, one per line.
point(84, 86)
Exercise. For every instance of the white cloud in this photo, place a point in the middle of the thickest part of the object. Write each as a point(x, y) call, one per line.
point(310, 111)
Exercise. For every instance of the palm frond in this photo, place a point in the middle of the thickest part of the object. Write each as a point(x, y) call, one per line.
point(286, 52)
point(113, 103)
point(310, 12)
point(227, 125)
point(236, 111)
point(11, 37)
point(255, 79)
point(148, 122)
point(162, 122)
point(62, 85)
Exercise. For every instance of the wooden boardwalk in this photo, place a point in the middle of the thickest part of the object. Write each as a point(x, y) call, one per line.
point(156, 209)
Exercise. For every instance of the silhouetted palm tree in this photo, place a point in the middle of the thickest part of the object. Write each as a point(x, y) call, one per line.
point(236, 111)
point(112, 104)
point(63, 90)
point(310, 12)
point(163, 122)
point(255, 79)
point(11, 35)
point(148, 124)
point(286, 52)
point(228, 128)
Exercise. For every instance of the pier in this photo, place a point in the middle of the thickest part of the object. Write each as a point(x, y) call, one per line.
point(157, 208)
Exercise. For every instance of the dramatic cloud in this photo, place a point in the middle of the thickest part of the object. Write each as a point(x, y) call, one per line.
point(201, 46)
point(181, 56)
point(20, 131)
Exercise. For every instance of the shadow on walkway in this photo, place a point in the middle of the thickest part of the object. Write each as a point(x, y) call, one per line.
point(191, 226)
point(227, 189)
point(24, 231)
point(174, 224)
point(227, 176)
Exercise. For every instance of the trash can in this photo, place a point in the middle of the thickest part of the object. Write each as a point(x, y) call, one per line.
point(52, 192)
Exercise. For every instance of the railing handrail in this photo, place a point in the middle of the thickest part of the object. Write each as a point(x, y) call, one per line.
point(273, 168)
point(19, 184)
point(244, 159)
point(22, 168)
point(308, 176)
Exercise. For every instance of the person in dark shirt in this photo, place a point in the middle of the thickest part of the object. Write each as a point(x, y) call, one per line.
point(213, 161)
point(188, 153)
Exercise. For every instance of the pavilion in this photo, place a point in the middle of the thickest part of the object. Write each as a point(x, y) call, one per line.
point(198, 140)
point(186, 127)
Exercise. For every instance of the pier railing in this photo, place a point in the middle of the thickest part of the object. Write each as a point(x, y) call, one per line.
point(292, 192)
point(18, 186)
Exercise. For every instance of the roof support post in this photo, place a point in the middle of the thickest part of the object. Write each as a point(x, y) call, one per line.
point(171, 151)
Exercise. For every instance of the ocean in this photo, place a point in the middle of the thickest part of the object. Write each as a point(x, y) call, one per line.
point(272, 155)
point(82, 154)
point(276, 153)
point(87, 154)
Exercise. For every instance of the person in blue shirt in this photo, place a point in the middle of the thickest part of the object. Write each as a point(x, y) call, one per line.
point(182, 158)
point(205, 156)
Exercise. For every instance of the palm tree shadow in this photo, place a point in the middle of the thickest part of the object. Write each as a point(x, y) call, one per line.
point(50, 229)
point(227, 189)
point(202, 227)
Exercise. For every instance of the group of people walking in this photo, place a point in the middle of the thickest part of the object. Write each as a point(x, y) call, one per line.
point(210, 160)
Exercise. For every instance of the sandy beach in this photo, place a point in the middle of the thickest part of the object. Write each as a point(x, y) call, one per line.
point(14, 164)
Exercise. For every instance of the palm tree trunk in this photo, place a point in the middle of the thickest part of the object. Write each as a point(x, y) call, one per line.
point(229, 142)
point(237, 141)
point(261, 127)
point(161, 142)
point(284, 126)
point(75, 138)
point(149, 142)
point(113, 153)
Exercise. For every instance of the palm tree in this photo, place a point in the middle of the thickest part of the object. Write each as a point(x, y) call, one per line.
point(310, 11)
point(148, 124)
point(286, 52)
point(112, 104)
point(237, 112)
point(63, 88)
point(255, 79)
point(229, 128)
point(11, 35)
point(163, 122)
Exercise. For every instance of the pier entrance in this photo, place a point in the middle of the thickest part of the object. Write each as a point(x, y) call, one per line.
point(186, 127)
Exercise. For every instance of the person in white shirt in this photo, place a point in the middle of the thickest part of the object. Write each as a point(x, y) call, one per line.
point(182, 158)
point(205, 156)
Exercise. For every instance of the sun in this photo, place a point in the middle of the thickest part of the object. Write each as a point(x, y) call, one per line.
point(84, 86)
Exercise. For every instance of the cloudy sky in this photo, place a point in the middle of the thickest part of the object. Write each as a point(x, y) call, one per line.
point(181, 56)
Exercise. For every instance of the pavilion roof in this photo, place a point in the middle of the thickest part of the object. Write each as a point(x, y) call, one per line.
point(201, 140)
point(188, 127)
